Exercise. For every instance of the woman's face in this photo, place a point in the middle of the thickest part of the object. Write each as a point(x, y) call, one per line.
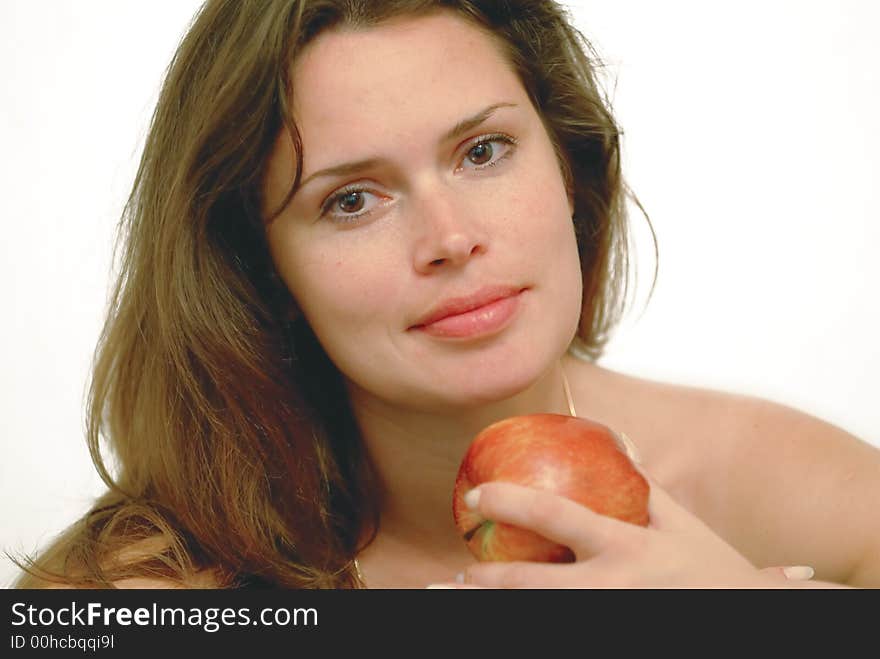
point(427, 176)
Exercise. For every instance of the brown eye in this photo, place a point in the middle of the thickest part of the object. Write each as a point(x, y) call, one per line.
point(481, 153)
point(351, 202)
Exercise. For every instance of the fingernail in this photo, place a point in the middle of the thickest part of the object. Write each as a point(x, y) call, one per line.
point(459, 578)
point(472, 498)
point(438, 586)
point(798, 572)
point(631, 449)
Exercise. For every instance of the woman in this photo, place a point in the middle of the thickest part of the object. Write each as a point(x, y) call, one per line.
point(361, 232)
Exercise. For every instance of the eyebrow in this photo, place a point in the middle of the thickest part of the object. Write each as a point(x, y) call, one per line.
point(463, 126)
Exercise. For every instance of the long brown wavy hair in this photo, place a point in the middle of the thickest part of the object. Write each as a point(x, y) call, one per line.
point(232, 443)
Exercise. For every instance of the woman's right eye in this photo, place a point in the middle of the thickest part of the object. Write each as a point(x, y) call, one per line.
point(349, 204)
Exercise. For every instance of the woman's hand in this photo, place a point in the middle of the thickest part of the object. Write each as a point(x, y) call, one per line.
point(676, 550)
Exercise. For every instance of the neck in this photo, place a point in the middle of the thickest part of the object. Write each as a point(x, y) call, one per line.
point(417, 453)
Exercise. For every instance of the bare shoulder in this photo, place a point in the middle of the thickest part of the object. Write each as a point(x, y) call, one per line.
point(133, 583)
point(781, 485)
point(151, 546)
point(131, 554)
point(795, 489)
point(675, 428)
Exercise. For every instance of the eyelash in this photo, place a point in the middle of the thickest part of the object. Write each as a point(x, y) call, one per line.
point(493, 137)
point(333, 200)
point(348, 218)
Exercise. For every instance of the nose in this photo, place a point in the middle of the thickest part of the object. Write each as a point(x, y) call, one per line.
point(450, 231)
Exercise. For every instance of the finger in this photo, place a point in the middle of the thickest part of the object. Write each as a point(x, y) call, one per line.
point(664, 511)
point(790, 572)
point(798, 572)
point(517, 574)
point(629, 447)
point(453, 586)
point(556, 518)
point(523, 574)
point(794, 572)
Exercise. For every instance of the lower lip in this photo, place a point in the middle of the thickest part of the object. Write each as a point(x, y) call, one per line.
point(485, 320)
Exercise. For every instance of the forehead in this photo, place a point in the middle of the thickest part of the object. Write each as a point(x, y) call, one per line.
point(398, 79)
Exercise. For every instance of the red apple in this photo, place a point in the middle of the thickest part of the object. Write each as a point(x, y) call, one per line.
point(573, 457)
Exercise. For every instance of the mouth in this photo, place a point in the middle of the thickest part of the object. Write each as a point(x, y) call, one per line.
point(470, 318)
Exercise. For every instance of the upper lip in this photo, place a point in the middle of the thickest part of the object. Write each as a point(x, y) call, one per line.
point(458, 305)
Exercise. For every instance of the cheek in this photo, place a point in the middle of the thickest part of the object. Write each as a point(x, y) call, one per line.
point(548, 240)
point(544, 215)
point(351, 302)
point(340, 292)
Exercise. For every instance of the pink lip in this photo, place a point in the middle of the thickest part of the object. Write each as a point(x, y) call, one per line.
point(486, 311)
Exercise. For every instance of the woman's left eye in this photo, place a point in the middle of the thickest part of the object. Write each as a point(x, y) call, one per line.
point(488, 151)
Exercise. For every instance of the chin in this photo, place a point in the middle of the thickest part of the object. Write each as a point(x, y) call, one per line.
point(490, 381)
point(447, 380)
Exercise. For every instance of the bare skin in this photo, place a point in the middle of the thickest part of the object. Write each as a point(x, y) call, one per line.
point(718, 455)
point(739, 485)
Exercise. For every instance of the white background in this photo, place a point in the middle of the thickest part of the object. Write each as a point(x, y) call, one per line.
point(751, 138)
